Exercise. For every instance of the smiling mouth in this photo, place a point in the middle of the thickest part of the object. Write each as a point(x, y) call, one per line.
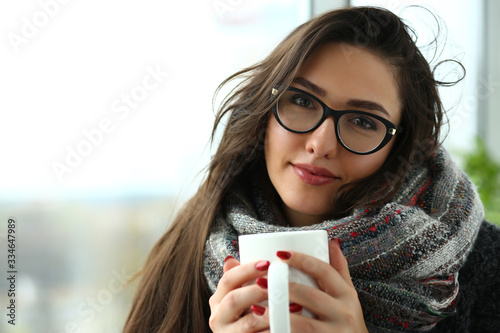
point(313, 175)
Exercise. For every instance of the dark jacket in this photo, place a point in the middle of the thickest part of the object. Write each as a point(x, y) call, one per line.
point(478, 309)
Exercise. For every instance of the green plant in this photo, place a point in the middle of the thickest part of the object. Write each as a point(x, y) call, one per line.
point(484, 171)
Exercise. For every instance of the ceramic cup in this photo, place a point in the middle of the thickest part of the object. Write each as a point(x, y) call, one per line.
point(264, 247)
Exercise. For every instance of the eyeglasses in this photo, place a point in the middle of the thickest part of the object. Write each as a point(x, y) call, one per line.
point(359, 132)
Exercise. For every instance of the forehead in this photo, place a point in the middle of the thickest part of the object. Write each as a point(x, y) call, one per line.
point(346, 72)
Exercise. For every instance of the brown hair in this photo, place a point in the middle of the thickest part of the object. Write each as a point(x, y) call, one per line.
point(173, 294)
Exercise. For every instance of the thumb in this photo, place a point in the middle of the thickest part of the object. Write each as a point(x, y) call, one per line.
point(338, 261)
point(230, 263)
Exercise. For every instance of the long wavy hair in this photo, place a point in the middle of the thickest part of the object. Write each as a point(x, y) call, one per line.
point(173, 294)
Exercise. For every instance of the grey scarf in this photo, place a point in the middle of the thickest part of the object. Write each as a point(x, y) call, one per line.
point(404, 257)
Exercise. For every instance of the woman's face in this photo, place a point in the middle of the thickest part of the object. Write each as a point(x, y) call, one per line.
point(344, 77)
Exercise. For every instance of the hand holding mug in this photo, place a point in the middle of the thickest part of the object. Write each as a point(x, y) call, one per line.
point(321, 285)
point(267, 247)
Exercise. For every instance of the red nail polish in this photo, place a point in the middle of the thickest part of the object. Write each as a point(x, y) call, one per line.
point(262, 265)
point(283, 255)
point(262, 282)
point(228, 257)
point(295, 307)
point(336, 241)
point(258, 310)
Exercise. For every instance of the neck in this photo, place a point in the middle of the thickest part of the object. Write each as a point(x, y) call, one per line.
point(298, 219)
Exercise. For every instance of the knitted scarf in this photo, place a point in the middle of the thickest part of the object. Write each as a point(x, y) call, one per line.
point(403, 257)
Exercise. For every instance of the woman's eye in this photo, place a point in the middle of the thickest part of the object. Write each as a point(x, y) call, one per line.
point(302, 101)
point(364, 123)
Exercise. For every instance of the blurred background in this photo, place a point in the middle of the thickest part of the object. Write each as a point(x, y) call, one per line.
point(106, 113)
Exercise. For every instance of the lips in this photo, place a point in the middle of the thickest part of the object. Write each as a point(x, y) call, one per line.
point(314, 175)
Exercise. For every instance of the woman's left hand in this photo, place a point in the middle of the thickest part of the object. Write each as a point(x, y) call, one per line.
point(335, 305)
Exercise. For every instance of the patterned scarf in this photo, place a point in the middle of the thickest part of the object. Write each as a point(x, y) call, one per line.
point(404, 257)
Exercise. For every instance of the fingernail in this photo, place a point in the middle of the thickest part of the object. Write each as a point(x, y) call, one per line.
point(283, 255)
point(228, 257)
point(262, 265)
point(295, 307)
point(262, 282)
point(258, 310)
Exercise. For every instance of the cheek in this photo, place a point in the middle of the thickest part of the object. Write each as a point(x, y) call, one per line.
point(360, 166)
point(268, 142)
point(271, 151)
point(278, 143)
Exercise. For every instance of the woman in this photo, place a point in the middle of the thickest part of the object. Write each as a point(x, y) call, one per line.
point(337, 129)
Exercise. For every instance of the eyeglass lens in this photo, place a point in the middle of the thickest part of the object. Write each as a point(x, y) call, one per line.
point(358, 131)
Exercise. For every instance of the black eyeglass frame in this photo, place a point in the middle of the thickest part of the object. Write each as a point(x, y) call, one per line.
point(336, 114)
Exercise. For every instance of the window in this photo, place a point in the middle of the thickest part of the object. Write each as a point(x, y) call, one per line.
point(98, 148)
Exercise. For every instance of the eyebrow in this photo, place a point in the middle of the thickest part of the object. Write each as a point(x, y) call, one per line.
point(311, 86)
point(360, 103)
point(355, 103)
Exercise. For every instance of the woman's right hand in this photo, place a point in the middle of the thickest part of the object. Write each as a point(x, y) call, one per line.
point(233, 306)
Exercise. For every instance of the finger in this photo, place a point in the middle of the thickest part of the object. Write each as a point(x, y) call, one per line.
point(302, 324)
point(316, 301)
point(257, 321)
point(338, 261)
point(345, 310)
point(328, 279)
point(237, 276)
point(230, 316)
point(230, 263)
point(234, 304)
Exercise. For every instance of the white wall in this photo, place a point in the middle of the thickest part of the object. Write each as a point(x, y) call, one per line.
point(320, 6)
point(490, 106)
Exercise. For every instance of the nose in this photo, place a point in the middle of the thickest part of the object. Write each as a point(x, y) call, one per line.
point(322, 142)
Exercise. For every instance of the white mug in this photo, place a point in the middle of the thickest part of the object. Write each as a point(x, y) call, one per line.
point(264, 247)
